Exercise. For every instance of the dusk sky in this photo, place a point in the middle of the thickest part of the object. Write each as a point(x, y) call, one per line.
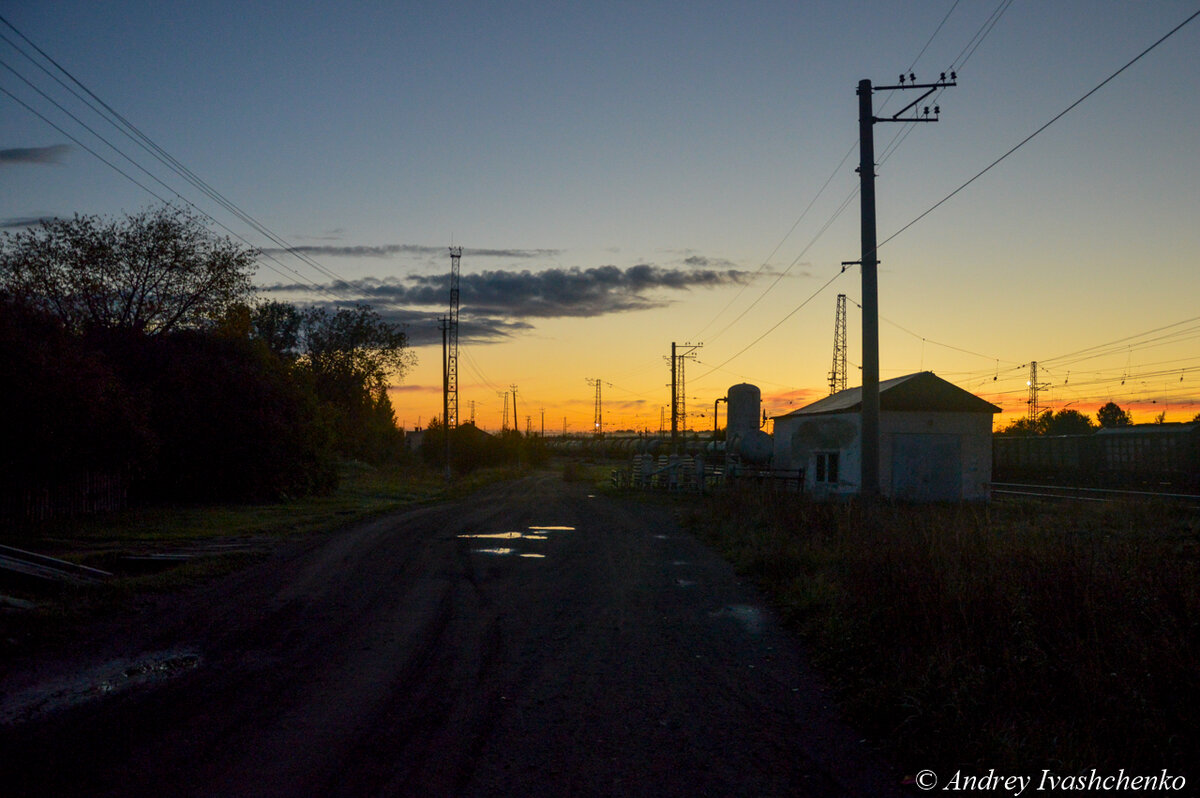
point(625, 175)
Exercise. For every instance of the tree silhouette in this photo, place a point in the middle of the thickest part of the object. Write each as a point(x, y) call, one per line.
point(1111, 415)
point(1064, 422)
point(350, 356)
point(153, 272)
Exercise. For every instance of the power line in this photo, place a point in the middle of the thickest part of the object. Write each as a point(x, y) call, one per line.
point(845, 204)
point(786, 236)
point(131, 131)
point(151, 191)
point(923, 339)
point(892, 146)
point(1028, 138)
point(775, 326)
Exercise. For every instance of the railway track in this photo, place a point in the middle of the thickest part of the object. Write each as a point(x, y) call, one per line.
point(1074, 493)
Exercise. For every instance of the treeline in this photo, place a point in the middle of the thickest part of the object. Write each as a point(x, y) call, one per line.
point(1072, 422)
point(472, 448)
point(137, 348)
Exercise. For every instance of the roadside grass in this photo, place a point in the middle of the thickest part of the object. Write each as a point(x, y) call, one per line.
point(598, 475)
point(219, 539)
point(1015, 636)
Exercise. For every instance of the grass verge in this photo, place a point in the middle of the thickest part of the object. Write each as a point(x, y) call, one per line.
point(218, 540)
point(1013, 636)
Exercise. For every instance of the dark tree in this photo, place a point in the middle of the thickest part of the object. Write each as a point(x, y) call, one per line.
point(252, 433)
point(277, 324)
point(1029, 426)
point(1069, 422)
point(153, 272)
point(1064, 422)
point(1111, 415)
point(67, 411)
point(351, 355)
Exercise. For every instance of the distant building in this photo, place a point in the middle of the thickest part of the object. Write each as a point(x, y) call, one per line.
point(935, 442)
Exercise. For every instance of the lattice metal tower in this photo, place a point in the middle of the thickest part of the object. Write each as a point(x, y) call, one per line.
point(1034, 387)
point(837, 374)
point(452, 357)
point(598, 423)
point(504, 424)
point(680, 354)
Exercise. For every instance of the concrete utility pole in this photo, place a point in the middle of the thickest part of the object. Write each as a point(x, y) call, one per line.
point(869, 261)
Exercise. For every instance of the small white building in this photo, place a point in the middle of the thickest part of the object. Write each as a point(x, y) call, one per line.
point(935, 442)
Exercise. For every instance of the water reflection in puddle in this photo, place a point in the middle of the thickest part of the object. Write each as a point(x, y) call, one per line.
point(533, 533)
point(502, 552)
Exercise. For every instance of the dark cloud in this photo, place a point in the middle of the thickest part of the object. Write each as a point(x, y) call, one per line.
point(422, 326)
point(391, 250)
point(551, 293)
point(702, 262)
point(494, 304)
point(24, 221)
point(52, 154)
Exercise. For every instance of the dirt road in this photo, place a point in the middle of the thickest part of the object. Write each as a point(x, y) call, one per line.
point(533, 640)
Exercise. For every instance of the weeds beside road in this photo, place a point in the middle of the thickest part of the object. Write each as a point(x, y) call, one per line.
point(1018, 635)
point(218, 538)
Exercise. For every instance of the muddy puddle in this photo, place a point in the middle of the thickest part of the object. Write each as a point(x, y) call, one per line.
point(533, 533)
point(108, 679)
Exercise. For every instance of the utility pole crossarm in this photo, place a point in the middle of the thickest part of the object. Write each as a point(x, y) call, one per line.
point(930, 89)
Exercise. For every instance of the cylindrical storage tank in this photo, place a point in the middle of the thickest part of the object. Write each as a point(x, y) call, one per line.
point(744, 401)
point(755, 446)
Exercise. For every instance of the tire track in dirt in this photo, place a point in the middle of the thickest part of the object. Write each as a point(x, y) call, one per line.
point(395, 658)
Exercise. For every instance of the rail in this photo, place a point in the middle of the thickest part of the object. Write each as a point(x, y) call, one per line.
point(1083, 494)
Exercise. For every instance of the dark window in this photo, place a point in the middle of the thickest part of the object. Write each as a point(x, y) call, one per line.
point(827, 467)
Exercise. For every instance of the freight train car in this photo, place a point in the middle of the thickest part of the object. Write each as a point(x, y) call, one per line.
point(1141, 457)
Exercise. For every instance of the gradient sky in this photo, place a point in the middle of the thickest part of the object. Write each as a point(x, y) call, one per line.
point(625, 175)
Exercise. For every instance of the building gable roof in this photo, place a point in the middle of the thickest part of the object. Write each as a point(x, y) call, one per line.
point(923, 391)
